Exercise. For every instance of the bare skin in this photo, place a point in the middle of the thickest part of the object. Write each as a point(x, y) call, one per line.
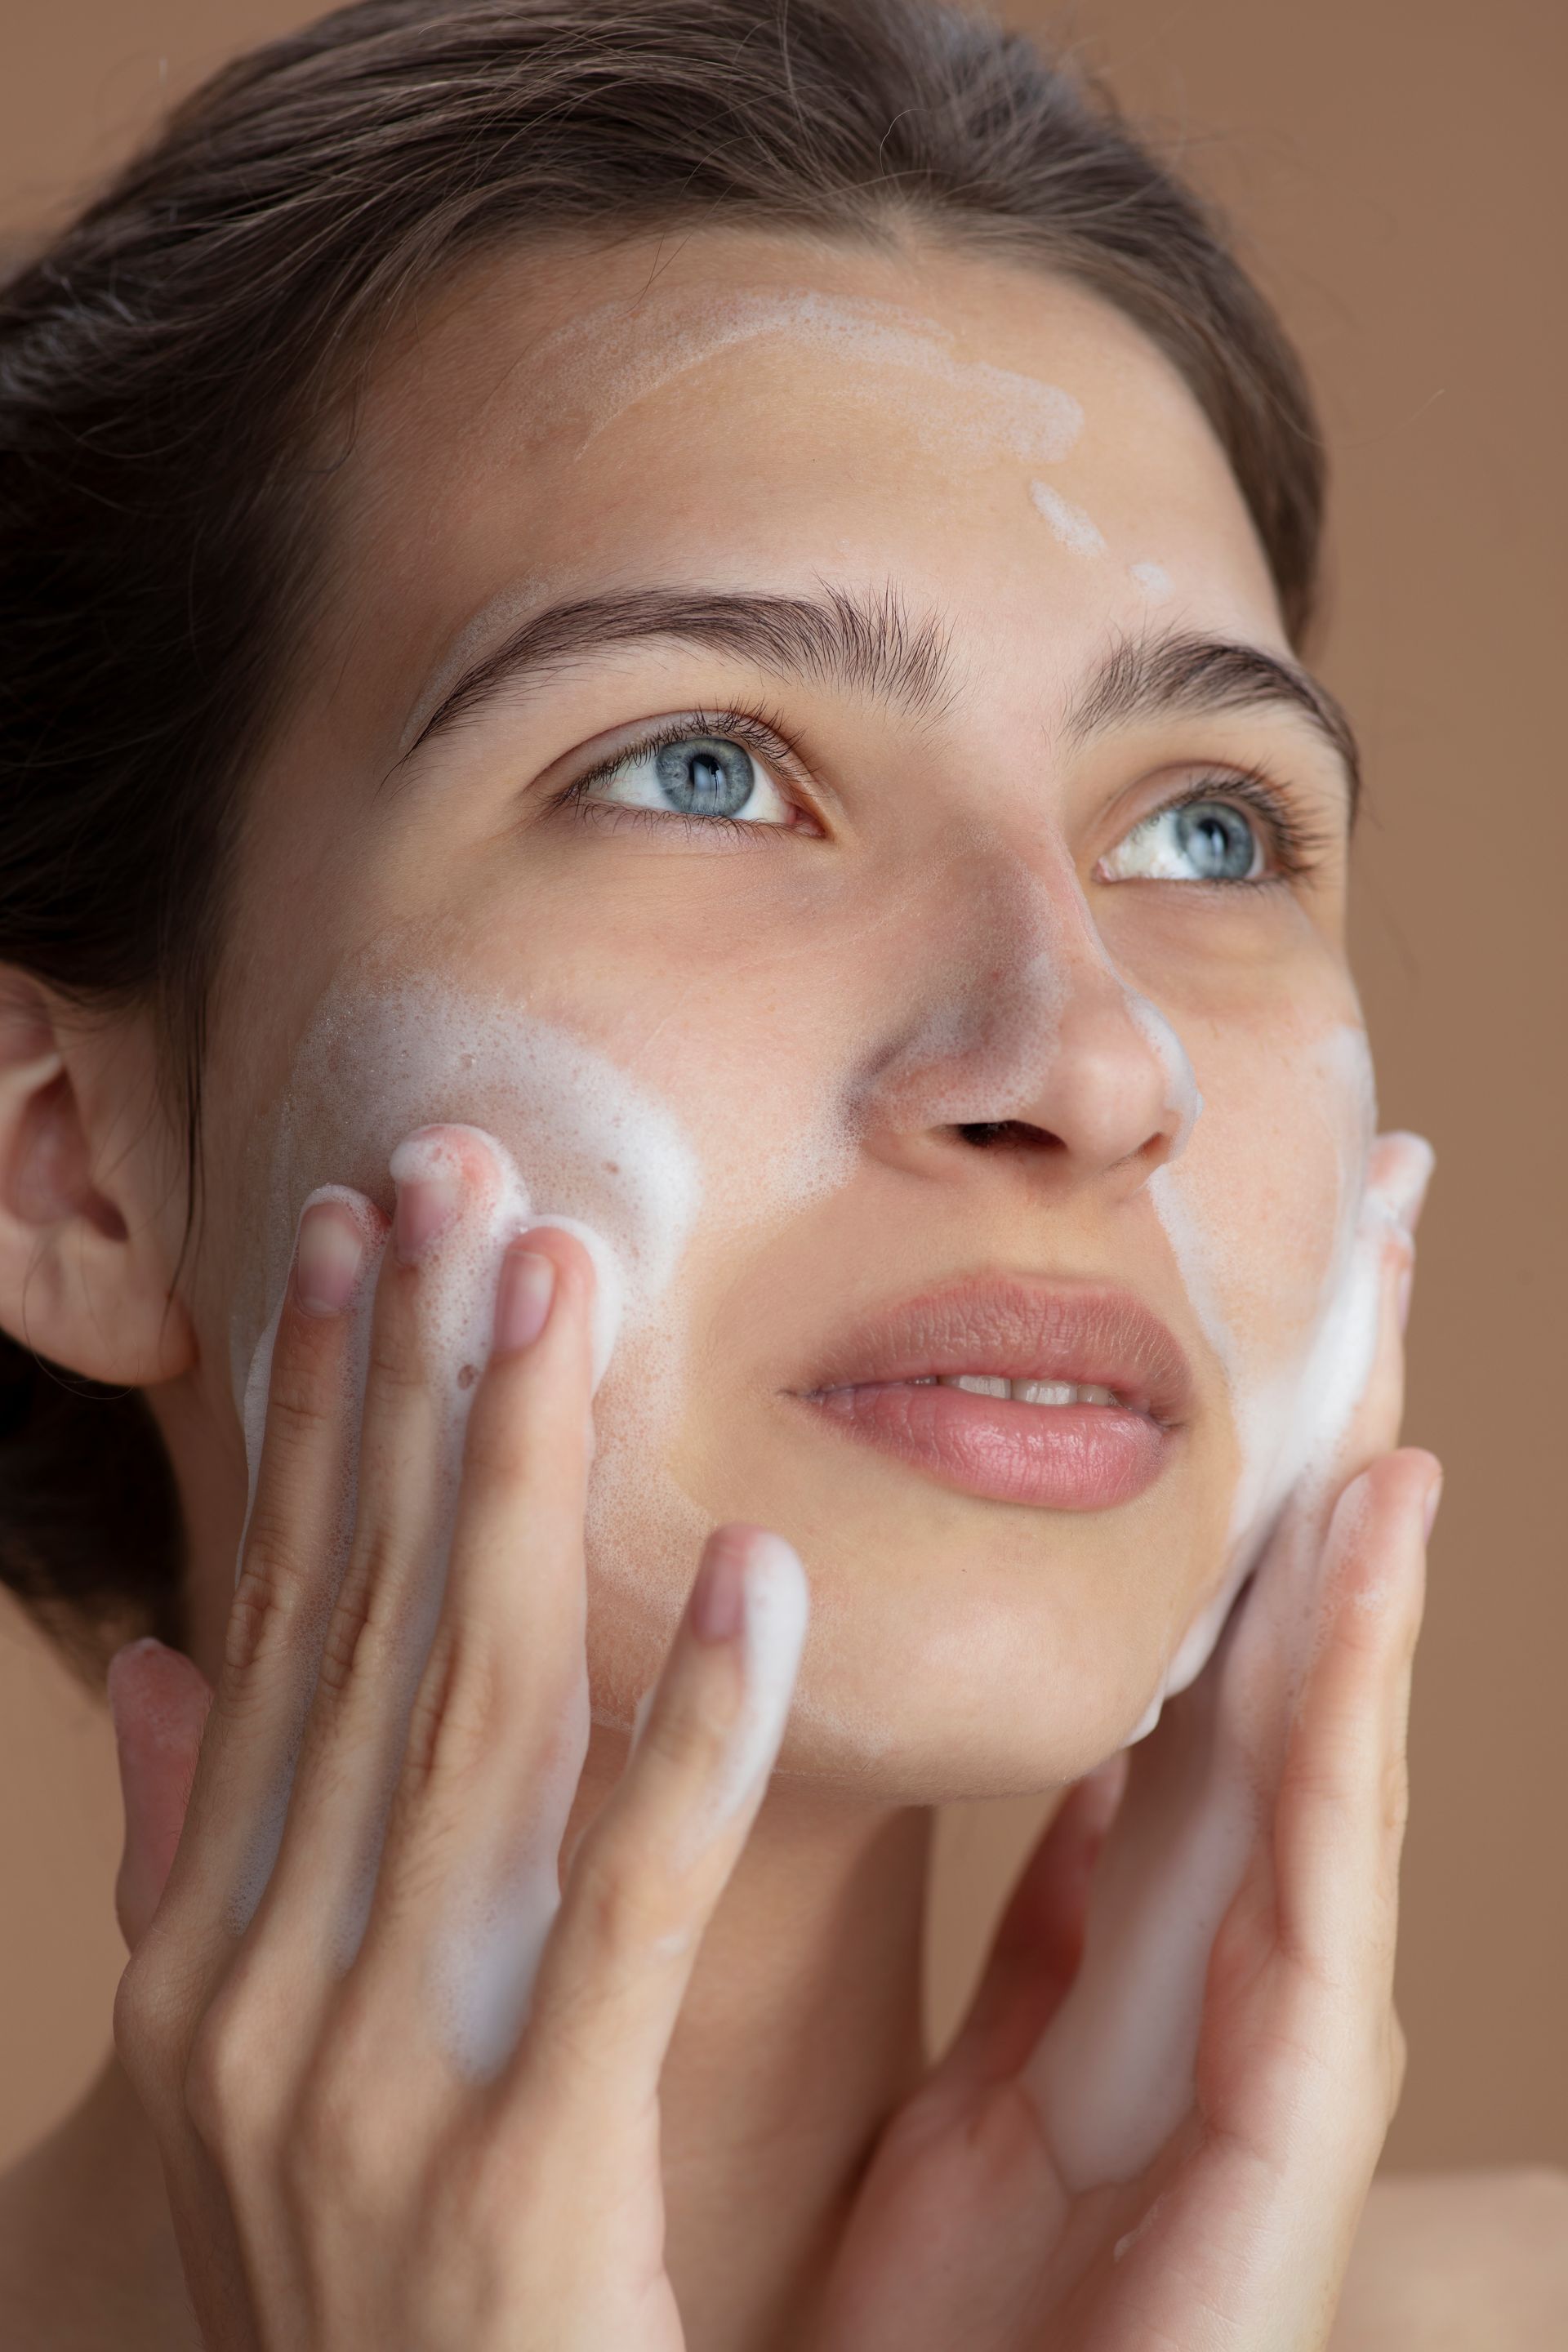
point(797, 2038)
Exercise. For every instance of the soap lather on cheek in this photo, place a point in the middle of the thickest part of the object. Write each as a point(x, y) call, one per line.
point(382, 1059)
point(1114, 2074)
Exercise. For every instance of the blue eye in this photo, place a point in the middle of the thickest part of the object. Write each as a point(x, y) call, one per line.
point(694, 776)
point(1195, 841)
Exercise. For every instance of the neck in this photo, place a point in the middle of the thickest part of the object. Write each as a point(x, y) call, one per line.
point(800, 2035)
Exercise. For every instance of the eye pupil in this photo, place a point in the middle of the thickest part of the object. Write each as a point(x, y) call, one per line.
point(703, 776)
point(1218, 841)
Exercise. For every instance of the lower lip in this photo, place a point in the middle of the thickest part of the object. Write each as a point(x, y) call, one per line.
point(1064, 1457)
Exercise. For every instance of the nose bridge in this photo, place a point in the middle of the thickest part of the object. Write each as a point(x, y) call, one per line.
point(1023, 1022)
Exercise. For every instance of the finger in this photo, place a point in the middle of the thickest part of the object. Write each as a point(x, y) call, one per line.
point(499, 1727)
point(295, 1542)
point(435, 1276)
point(648, 1876)
point(1340, 1819)
point(1039, 1944)
point(158, 1700)
point(1399, 1169)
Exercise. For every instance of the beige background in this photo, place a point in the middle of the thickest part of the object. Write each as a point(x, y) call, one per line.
point(1397, 173)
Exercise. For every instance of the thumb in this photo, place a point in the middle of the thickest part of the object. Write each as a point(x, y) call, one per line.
point(159, 1700)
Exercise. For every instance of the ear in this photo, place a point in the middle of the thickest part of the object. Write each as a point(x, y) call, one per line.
point(91, 1192)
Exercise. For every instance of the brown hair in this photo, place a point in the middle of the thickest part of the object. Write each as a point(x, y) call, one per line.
point(165, 366)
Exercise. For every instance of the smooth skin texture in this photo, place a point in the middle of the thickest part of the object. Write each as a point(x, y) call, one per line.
point(957, 1646)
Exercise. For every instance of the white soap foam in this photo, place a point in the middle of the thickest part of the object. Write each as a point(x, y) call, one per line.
point(777, 1606)
point(1068, 523)
point(1154, 580)
point(590, 1149)
point(1183, 1100)
point(619, 354)
point(1114, 2072)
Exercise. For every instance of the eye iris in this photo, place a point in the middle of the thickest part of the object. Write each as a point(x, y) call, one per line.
point(1217, 840)
point(701, 776)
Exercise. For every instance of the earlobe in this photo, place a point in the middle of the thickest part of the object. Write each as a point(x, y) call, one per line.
point(85, 1260)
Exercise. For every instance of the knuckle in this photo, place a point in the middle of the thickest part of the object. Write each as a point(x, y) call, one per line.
point(627, 1908)
point(361, 1629)
point(461, 1710)
point(303, 1391)
point(396, 1368)
point(689, 1738)
point(270, 1597)
point(232, 2060)
point(149, 2023)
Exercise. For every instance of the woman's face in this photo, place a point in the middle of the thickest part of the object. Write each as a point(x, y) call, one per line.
point(763, 758)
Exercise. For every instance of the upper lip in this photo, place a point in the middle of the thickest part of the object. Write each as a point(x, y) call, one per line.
point(1017, 1329)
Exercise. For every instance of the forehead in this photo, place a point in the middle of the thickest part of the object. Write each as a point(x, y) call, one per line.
point(740, 410)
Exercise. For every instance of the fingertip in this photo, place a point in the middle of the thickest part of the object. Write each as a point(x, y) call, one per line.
point(598, 1270)
point(1104, 1788)
point(1378, 1533)
point(1401, 1173)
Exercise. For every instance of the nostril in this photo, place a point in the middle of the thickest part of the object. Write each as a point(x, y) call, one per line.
point(1017, 1134)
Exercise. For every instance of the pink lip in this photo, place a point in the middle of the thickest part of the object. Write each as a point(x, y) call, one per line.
point(1056, 1457)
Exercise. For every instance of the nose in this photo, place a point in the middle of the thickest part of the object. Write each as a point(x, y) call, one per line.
point(1027, 1040)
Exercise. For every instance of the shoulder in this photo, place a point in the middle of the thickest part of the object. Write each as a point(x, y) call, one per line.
point(1460, 2261)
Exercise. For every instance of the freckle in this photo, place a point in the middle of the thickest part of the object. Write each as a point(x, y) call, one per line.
point(612, 1167)
point(468, 1376)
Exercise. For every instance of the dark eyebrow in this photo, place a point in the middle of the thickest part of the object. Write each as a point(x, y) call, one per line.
point(1150, 677)
point(867, 642)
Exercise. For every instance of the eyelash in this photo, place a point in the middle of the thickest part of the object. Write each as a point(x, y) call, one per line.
point(1295, 848)
point(755, 731)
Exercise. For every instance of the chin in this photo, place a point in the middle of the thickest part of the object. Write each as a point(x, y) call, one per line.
point(956, 1685)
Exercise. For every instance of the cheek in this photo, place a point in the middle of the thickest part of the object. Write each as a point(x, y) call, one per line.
point(1262, 1186)
point(1262, 1212)
point(660, 1129)
point(379, 1060)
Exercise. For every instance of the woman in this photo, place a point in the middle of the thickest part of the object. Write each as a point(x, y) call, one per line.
point(655, 734)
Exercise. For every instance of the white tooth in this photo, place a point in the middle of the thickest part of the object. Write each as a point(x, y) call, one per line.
point(1096, 1396)
point(978, 1384)
point(1045, 1392)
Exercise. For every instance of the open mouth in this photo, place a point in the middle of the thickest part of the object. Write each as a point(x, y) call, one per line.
point(1064, 1397)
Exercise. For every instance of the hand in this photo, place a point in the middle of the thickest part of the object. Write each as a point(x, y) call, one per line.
point(365, 2144)
point(1101, 2161)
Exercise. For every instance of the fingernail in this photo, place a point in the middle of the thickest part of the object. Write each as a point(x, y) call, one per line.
point(522, 1299)
point(330, 1260)
point(719, 1596)
point(426, 1204)
point(1433, 1496)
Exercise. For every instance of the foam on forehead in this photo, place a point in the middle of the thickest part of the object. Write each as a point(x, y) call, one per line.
point(621, 354)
